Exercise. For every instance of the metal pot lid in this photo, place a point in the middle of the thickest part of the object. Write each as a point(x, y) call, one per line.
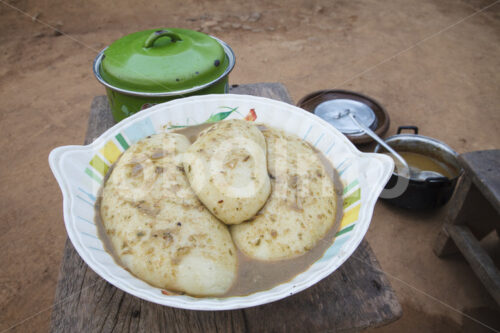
point(163, 60)
point(334, 111)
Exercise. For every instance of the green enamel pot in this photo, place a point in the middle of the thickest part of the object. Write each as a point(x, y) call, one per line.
point(154, 66)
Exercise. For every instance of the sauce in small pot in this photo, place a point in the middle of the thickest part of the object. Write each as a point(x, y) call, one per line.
point(425, 163)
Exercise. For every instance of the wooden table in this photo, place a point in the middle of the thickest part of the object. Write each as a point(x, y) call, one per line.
point(356, 296)
point(474, 211)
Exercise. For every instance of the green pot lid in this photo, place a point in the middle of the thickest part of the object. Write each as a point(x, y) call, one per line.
point(163, 60)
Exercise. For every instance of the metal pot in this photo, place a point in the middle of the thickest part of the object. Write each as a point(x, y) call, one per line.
point(154, 66)
point(431, 192)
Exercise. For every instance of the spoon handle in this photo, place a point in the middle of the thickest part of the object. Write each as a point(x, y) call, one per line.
point(381, 142)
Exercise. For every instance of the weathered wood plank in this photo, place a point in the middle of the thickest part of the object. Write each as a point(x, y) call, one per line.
point(477, 257)
point(100, 119)
point(443, 244)
point(483, 166)
point(474, 212)
point(476, 200)
point(356, 296)
point(270, 90)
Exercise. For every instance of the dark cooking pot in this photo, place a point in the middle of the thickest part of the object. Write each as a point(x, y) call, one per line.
point(431, 192)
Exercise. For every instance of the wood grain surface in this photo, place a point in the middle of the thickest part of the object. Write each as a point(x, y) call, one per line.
point(356, 296)
point(482, 166)
point(479, 260)
point(473, 213)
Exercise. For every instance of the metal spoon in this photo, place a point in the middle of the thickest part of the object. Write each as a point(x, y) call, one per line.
point(407, 171)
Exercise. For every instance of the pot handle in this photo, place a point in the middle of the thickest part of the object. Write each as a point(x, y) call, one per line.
point(414, 128)
point(437, 180)
point(160, 33)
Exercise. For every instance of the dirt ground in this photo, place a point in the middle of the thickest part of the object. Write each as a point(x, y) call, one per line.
point(431, 63)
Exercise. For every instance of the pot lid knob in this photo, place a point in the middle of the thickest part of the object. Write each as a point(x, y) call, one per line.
point(160, 33)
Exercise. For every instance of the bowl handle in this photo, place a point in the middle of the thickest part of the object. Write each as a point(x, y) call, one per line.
point(414, 128)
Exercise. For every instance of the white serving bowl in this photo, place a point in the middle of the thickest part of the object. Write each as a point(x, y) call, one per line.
point(79, 170)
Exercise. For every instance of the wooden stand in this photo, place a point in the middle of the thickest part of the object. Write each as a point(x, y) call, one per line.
point(356, 296)
point(474, 211)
